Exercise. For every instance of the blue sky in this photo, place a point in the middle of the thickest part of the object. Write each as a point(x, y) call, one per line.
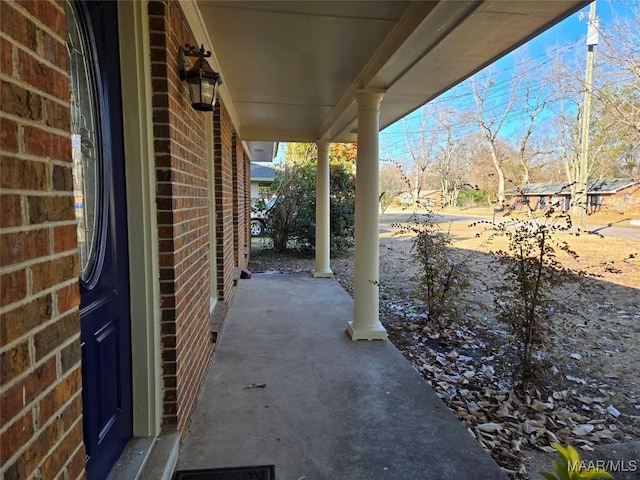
point(566, 39)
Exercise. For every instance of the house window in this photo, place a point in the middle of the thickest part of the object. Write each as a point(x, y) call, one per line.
point(627, 199)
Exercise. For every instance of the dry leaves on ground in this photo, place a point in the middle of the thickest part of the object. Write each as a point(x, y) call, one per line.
point(590, 395)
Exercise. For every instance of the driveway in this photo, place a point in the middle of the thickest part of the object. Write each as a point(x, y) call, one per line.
point(610, 230)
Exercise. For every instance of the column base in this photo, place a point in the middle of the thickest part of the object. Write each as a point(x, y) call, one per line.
point(326, 274)
point(375, 332)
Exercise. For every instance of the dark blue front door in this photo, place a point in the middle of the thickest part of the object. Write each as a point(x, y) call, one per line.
point(98, 167)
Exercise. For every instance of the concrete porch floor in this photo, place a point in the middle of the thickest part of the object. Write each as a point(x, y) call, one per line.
point(331, 408)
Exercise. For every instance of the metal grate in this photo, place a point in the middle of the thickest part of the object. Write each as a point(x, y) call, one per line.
point(262, 472)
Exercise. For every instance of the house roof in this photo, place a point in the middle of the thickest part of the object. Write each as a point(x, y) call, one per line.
point(611, 186)
point(608, 186)
point(262, 173)
point(291, 69)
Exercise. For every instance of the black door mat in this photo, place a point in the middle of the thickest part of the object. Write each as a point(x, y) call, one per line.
point(262, 472)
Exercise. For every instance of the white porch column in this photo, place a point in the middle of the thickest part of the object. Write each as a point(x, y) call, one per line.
point(323, 233)
point(366, 323)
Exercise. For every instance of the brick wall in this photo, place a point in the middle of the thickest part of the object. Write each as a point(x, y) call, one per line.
point(241, 171)
point(243, 193)
point(224, 202)
point(183, 227)
point(626, 200)
point(236, 168)
point(40, 376)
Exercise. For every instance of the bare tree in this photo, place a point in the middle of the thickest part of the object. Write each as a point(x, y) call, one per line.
point(491, 118)
point(449, 165)
point(534, 104)
point(393, 182)
point(421, 144)
point(621, 61)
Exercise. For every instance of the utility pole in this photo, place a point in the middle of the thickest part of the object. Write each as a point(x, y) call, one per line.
point(583, 170)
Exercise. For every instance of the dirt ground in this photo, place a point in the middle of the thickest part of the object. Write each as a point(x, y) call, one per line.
point(591, 393)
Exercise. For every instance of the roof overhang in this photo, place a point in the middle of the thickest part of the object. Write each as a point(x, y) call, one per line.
point(291, 69)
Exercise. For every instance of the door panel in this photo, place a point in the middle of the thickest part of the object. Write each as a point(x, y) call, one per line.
point(97, 142)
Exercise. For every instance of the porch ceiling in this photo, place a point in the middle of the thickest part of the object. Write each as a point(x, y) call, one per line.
point(291, 68)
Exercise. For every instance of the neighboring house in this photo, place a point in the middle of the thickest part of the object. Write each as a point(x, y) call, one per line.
point(431, 198)
point(125, 213)
point(614, 195)
point(428, 198)
point(262, 176)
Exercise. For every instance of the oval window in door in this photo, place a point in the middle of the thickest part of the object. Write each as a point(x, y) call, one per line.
point(89, 193)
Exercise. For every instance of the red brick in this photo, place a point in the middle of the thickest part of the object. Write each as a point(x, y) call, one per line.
point(75, 467)
point(67, 388)
point(15, 399)
point(46, 144)
point(19, 321)
point(70, 356)
point(58, 457)
point(54, 50)
point(17, 247)
point(73, 411)
point(68, 298)
point(48, 12)
point(6, 57)
point(8, 135)
point(56, 334)
point(42, 77)
point(50, 209)
point(24, 466)
point(15, 436)
point(62, 177)
point(65, 238)
point(14, 361)
point(17, 26)
point(13, 287)
point(19, 174)
point(52, 272)
point(20, 102)
point(57, 115)
point(10, 211)
point(156, 7)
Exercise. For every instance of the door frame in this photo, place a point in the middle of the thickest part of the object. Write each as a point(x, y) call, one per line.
point(135, 62)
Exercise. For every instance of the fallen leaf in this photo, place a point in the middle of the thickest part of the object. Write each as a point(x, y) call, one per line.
point(256, 385)
point(490, 427)
point(582, 430)
point(613, 411)
point(576, 379)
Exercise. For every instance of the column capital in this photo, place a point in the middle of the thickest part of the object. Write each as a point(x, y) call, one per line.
point(369, 98)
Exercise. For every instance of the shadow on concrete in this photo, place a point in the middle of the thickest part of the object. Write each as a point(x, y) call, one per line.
point(286, 386)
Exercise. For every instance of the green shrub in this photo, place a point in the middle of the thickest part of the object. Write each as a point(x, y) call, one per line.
point(292, 219)
point(471, 196)
point(531, 271)
point(441, 280)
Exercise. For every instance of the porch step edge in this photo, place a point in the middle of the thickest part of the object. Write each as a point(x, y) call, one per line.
point(163, 458)
point(133, 458)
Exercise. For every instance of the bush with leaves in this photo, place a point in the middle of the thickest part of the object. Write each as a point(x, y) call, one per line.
point(292, 218)
point(531, 271)
point(471, 197)
point(442, 279)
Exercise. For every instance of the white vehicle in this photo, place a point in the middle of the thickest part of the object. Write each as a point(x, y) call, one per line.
point(258, 216)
